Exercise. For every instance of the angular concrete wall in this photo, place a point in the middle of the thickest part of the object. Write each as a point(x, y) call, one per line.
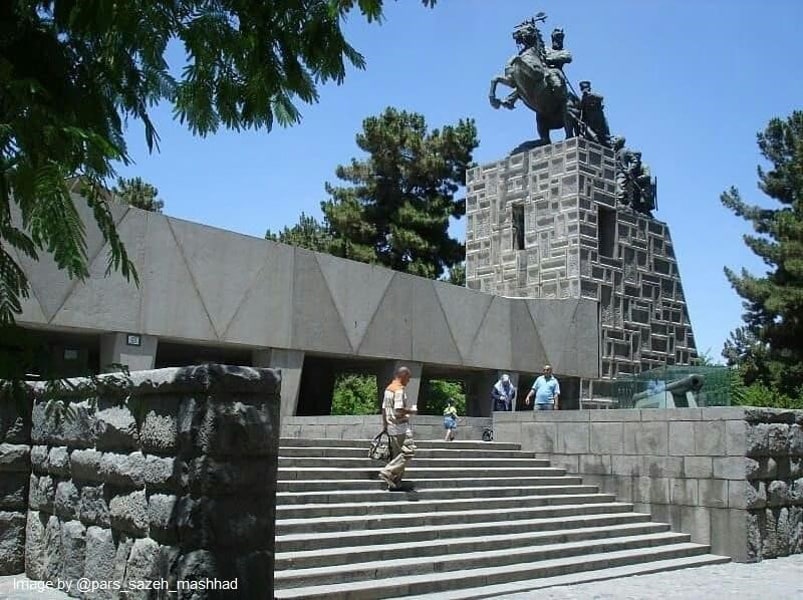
point(213, 287)
point(729, 477)
point(166, 475)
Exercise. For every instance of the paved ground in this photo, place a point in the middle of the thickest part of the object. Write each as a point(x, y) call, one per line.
point(779, 579)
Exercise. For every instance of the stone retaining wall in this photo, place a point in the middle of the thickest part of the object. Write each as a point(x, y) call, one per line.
point(730, 477)
point(15, 471)
point(176, 482)
point(365, 427)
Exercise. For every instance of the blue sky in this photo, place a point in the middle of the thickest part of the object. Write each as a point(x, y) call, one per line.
point(688, 83)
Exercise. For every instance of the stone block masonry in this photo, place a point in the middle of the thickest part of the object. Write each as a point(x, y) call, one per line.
point(546, 224)
point(15, 472)
point(165, 475)
point(730, 477)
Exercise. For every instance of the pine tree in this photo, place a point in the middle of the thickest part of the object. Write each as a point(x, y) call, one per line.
point(308, 233)
point(138, 193)
point(774, 302)
point(396, 208)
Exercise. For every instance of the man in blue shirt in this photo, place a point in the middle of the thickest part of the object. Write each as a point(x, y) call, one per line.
point(546, 390)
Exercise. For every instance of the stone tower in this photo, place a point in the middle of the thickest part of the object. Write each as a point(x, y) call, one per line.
point(545, 224)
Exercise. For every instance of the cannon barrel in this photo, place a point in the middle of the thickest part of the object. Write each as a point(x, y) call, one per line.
point(693, 383)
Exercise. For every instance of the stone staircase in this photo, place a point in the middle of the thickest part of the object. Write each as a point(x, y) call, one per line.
point(482, 520)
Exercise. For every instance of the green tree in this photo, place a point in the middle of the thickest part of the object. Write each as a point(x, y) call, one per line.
point(437, 392)
point(73, 73)
point(457, 275)
point(308, 233)
point(774, 302)
point(355, 394)
point(138, 193)
point(396, 208)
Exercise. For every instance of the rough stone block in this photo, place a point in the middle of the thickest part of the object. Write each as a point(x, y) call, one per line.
point(210, 476)
point(795, 440)
point(770, 415)
point(254, 574)
point(94, 506)
point(143, 562)
point(736, 438)
point(709, 438)
point(681, 438)
point(758, 440)
point(197, 565)
point(745, 494)
point(767, 468)
point(608, 438)
point(683, 492)
point(236, 428)
point(15, 458)
point(240, 523)
point(73, 550)
point(159, 430)
point(39, 458)
point(573, 438)
point(53, 561)
point(124, 545)
point(795, 467)
point(778, 439)
point(539, 437)
point(100, 553)
point(126, 470)
point(713, 492)
point(777, 493)
point(698, 467)
point(646, 438)
point(752, 469)
point(595, 464)
point(67, 500)
point(85, 465)
point(129, 512)
point(58, 461)
point(12, 542)
point(162, 517)
point(796, 492)
point(13, 427)
point(34, 543)
point(730, 468)
point(626, 465)
point(76, 431)
point(160, 473)
point(775, 542)
point(42, 493)
point(115, 428)
point(14, 491)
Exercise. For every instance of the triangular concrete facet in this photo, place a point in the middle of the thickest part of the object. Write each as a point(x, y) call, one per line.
point(491, 347)
point(223, 265)
point(171, 305)
point(528, 351)
point(432, 338)
point(89, 302)
point(316, 322)
point(265, 314)
point(464, 312)
point(357, 289)
point(390, 333)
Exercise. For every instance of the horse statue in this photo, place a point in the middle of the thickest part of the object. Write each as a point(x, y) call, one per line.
point(538, 81)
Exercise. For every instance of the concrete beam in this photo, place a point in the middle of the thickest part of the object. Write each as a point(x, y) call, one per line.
point(387, 371)
point(291, 364)
point(135, 351)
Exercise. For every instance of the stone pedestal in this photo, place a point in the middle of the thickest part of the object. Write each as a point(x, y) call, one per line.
point(546, 224)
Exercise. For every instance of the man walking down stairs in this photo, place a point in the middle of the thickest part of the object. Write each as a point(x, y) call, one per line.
point(483, 520)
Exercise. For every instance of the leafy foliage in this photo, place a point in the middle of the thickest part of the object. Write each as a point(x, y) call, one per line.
point(355, 394)
point(396, 207)
point(138, 193)
point(307, 233)
point(457, 275)
point(760, 394)
point(770, 346)
point(73, 73)
point(437, 392)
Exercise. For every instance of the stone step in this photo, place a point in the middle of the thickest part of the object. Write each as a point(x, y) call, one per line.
point(454, 463)
point(311, 541)
point(417, 473)
point(384, 580)
point(338, 496)
point(366, 522)
point(421, 549)
point(374, 484)
point(518, 590)
point(456, 445)
point(361, 450)
point(394, 506)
